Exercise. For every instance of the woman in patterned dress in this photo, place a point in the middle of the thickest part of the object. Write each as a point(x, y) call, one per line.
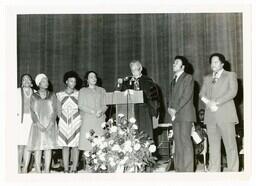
point(92, 108)
point(43, 133)
point(24, 94)
point(69, 121)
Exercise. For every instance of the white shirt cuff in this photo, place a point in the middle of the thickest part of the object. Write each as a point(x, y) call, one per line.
point(205, 100)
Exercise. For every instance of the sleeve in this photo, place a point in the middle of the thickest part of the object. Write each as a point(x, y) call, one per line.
point(231, 91)
point(152, 95)
point(81, 103)
point(59, 107)
point(103, 101)
point(188, 92)
point(54, 113)
point(203, 89)
point(55, 108)
point(169, 101)
point(18, 94)
point(33, 113)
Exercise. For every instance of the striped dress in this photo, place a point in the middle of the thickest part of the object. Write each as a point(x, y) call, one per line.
point(69, 119)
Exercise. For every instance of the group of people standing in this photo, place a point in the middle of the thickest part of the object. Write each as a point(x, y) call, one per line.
point(80, 111)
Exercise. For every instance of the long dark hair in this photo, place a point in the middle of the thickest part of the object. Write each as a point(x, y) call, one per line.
point(32, 81)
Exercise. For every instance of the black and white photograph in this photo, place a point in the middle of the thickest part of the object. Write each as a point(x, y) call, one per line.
point(188, 68)
point(129, 93)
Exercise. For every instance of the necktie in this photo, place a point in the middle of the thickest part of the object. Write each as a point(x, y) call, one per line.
point(214, 78)
point(174, 80)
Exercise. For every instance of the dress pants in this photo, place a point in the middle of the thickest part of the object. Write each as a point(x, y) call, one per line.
point(226, 131)
point(184, 155)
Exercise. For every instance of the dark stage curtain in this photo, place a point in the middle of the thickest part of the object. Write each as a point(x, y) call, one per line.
point(106, 43)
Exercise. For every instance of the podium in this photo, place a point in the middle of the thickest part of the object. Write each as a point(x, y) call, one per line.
point(124, 101)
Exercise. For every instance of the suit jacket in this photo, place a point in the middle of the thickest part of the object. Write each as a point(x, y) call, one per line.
point(223, 92)
point(181, 98)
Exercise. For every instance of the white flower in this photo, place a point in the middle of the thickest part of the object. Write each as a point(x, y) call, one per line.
point(93, 156)
point(126, 158)
point(152, 148)
point(96, 141)
point(111, 120)
point(116, 148)
point(103, 125)
point(111, 159)
point(132, 120)
point(99, 152)
point(95, 161)
point(137, 146)
point(120, 115)
point(134, 126)
point(87, 135)
point(121, 132)
point(147, 144)
point(113, 129)
point(102, 157)
point(122, 162)
point(112, 163)
point(102, 138)
point(103, 145)
point(93, 144)
point(128, 143)
point(87, 154)
point(103, 167)
point(127, 149)
point(111, 142)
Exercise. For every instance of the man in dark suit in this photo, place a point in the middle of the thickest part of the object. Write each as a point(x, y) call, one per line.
point(144, 112)
point(182, 113)
point(218, 91)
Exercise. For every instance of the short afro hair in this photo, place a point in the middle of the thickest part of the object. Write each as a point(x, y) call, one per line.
point(70, 74)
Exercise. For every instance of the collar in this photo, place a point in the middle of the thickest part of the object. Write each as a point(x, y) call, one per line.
point(218, 74)
point(137, 77)
point(178, 74)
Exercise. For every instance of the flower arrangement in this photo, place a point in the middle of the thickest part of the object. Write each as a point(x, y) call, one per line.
point(121, 148)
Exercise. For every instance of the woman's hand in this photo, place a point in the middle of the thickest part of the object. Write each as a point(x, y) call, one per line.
point(41, 128)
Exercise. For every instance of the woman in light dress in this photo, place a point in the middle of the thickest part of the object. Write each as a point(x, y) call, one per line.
point(43, 133)
point(24, 94)
point(69, 121)
point(91, 102)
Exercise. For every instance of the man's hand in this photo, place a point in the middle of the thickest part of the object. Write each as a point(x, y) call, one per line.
point(212, 105)
point(172, 112)
point(99, 113)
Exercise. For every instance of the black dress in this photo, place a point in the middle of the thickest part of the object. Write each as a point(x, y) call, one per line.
point(144, 111)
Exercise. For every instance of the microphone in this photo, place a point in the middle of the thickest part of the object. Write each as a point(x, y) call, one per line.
point(121, 80)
